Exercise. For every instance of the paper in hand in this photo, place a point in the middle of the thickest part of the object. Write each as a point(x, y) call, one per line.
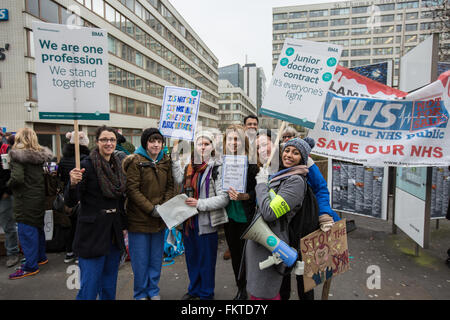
point(175, 211)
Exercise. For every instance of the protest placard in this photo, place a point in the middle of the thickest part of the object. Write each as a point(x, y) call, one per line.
point(325, 254)
point(179, 113)
point(234, 173)
point(300, 81)
point(380, 132)
point(71, 72)
point(175, 211)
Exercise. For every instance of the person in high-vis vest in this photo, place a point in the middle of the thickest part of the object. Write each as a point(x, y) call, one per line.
point(278, 196)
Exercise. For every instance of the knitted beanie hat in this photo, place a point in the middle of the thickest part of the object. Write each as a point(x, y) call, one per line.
point(205, 134)
point(302, 145)
point(148, 133)
point(82, 138)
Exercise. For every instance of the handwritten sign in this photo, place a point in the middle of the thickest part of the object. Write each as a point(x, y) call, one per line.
point(234, 173)
point(179, 113)
point(325, 254)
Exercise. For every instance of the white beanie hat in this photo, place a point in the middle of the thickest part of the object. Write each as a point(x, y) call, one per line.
point(205, 134)
point(83, 139)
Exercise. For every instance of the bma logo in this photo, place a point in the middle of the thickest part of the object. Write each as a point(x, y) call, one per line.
point(4, 15)
point(332, 49)
point(97, 34)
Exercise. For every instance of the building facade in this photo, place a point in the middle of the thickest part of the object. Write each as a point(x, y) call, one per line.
point(150, 46)
point(233, 73)
point(234, 105)
point(369, 31)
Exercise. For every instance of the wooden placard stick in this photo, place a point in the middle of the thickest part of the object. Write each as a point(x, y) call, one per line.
point(77, 144)
point(277, 140)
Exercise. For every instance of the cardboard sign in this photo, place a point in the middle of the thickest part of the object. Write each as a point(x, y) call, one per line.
point(325, 254)
point(71, 72)
point(234, 173)
point(179, 113)
point(301, 81)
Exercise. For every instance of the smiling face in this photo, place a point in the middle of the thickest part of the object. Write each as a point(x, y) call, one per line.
point(251, 124)
point(233, 143)
point(154, 147)
point(264, 147)
point(291, 157)
point(106, 143)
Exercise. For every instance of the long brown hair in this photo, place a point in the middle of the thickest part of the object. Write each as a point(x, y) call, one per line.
point(27, 138)
point(241, 136)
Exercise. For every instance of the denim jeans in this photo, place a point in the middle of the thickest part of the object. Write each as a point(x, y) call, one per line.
point(32, 241)
point(9, 226)
point(98, 276)
point(146, 254)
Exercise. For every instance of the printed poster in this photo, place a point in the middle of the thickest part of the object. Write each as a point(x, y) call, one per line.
point(380, 132)
point(179, 113)
point(71, 72)
point(325, 254)
point(301, 81)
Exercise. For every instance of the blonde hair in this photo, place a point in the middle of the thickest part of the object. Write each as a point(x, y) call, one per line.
point(26, 138)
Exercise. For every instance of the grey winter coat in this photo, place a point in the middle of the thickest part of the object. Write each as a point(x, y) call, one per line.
point(28, 185)
point(211, 209)
point(266, 283)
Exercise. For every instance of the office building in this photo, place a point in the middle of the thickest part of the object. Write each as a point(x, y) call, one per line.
point(150, 46)
point(368, 31)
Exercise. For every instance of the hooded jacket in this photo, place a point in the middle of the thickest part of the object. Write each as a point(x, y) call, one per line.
point(149, 183)
point(28, 185)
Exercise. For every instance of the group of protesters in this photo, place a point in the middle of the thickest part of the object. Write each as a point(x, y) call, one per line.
point(113, 191)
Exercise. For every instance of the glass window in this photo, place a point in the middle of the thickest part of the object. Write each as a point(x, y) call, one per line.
point(33, 7)
point(384, 29)
point(360, 9)
point(339, 32)
point(110, 14)
point(112, 102)
point(49, 11)
point(318, 34)
point(280, 26)
point(360, 52)
point(382, 51)
point(410, 38)
point(298, 25)
point(33, 89)
point(412, 15)
point(344, 53)
point(319, 23)
point(359, 20)
point(408, 5)
point(280, 16)
point(339, 11)
point(383, 40)
point(360, 42)
point(358, 31)
point(139, 60)
point(297, 35)
point(130, 4)
point(387, 18)
point(130, 106)
point(318, 13)
point(139, 10)
point(411, 27)
point(339, 22)
point(297, 15)
point(30, 43)
point(386, 7)
point(97, 7)
point(357, 63)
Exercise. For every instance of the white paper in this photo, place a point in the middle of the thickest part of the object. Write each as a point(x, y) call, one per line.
point(48, 225)
point(175, 211)
point(234, 173)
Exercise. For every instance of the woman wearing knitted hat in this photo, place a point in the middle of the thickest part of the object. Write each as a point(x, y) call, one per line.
point(202, 183)
point(149, 184)
point(281, 196)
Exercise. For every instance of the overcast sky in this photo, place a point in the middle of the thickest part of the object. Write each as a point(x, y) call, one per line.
point(233, 29)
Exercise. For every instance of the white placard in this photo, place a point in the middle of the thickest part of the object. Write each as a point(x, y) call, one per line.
point(179, 113)
point(301, 81)
point(234, 173)
point(71, 72)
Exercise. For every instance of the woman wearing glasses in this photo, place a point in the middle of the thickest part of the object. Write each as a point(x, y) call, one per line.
point(100, 187)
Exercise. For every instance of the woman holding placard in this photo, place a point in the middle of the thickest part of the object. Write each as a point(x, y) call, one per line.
point(100, 187)
point(242, 209)
point(202, 183)
point(278, 200)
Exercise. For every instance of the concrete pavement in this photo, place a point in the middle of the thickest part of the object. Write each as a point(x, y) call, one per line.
point(372, 248)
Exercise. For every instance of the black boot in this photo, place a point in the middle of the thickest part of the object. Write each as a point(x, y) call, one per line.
point(241, 295)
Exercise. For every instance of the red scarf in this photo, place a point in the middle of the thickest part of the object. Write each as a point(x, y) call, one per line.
point(192, 174)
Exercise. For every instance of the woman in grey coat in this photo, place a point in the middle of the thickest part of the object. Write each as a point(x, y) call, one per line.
point(202, 183)
point(279, 199)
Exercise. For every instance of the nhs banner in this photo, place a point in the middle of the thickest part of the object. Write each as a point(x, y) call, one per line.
point(381, 132)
